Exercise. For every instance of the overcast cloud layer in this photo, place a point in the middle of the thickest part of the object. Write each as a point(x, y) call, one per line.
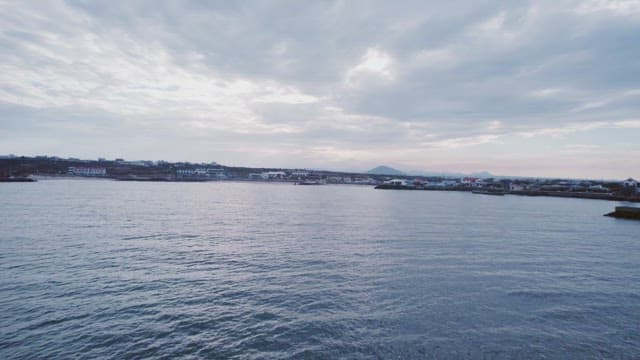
point(548, 88)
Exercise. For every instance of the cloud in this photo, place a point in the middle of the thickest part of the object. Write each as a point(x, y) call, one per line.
point(617, 7)
point(134, 79)
point(629, 124)
point(297, 82)
point(582, 149)
point(454, 143)
point(374, 63)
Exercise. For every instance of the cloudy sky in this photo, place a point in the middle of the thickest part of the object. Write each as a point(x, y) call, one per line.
point(539, 88)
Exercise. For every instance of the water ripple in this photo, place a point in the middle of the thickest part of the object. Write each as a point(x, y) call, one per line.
point(255, 271)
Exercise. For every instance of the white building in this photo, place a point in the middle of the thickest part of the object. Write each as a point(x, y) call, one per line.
point(363, 180)
point(191, 172)
point(598, 188)
point(633, 184)
point(272, 175)
point(201, 172)
point(87, 171)
point(396, 182)
point(299, 173)
point(140, 163)
point(471, 182)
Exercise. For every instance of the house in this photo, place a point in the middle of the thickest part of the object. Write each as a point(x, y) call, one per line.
point(630, 183)
point(299, 173)
point(448, 183)
point(471, 182)
point(419, 182)
point(598, 188)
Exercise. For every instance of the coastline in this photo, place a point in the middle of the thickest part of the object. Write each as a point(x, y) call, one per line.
point(559, 194)
point(30, 169)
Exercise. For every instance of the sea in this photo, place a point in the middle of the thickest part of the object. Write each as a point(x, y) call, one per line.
point(248, 270)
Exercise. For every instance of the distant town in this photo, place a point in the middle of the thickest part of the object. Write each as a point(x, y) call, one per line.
point(27, 169)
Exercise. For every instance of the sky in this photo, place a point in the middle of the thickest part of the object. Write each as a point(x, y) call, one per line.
point(523, 88)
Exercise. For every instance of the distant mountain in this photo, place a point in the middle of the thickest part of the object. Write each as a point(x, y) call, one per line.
point(385, 170)
point(483, 174)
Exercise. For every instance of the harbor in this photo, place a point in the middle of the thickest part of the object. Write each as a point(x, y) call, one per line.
point(627, 190)
point(29, 169)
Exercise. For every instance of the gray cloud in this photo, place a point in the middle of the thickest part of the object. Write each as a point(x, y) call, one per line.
point(299, 81)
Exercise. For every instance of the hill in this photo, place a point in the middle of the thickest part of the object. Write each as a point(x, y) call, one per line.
point(385, 170)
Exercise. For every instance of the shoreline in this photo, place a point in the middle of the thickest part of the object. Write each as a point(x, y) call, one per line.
point(572, 195)
point(533, 193)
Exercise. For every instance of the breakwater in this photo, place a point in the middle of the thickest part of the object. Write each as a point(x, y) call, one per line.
point(625, 212)
point(563, 194)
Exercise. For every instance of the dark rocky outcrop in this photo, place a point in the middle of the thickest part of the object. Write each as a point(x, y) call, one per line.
point(625, 212)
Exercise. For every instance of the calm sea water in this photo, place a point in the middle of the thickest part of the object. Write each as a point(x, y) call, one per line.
point(105, 269)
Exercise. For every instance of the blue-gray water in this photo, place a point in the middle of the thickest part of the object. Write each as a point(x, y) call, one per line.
point(104, 269)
